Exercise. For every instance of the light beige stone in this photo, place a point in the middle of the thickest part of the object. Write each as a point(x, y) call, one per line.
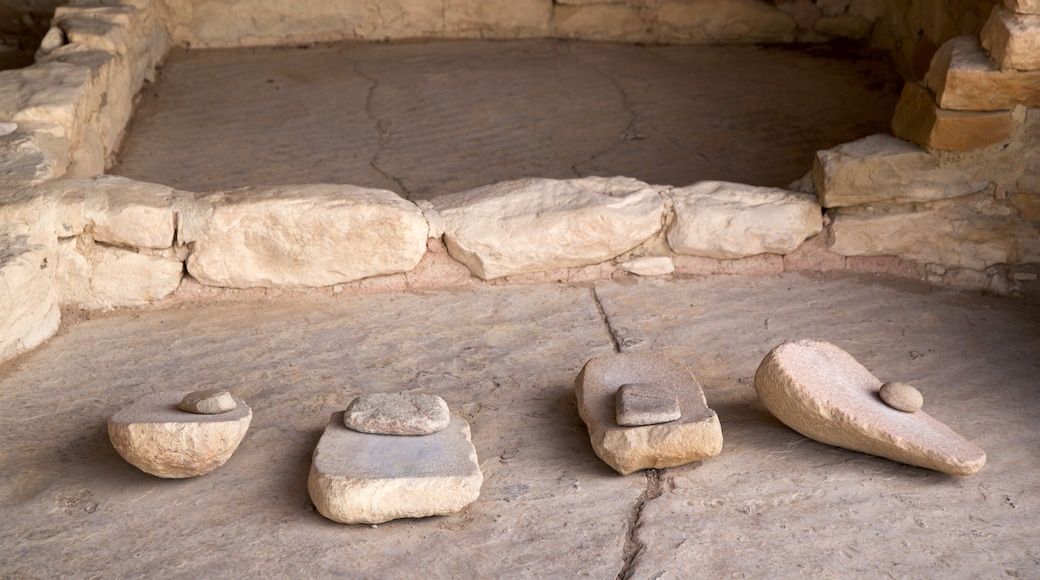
point(723, 21)
point(616, 22)
point(208, 402)
point(1012, 40)
point(153, 435)
point(397, 414)
point(531, 225)
point(29, 307)
point(497, 18)
point(115, 210)
point(54, 96)
point(696, 435)
point(95, 276)
point(300, 236)
point(30, 156)
point(953, 236)
point(964, 78)
point(360, 478)
point(918, 119)
point(649, 266)
point(884, 169)
point(821, 391)
point(717, 219)
point(901, 396)
point(1023, 6)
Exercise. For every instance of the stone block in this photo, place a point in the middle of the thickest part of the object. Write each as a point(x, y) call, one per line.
point(884, 169)
point(954, 236)
point(30, 156)
point(649, 266)
point(155, 436)
point(97, 277)
point(497, 18)
point(361, 478)
point(1023, 6)
point(614, 22)
point(1012, 40)
point(964, 78)
point(641, 404)
point(918, 119)
point(821, 391)
point(300, 236)
point(702, 21)
point(532, 225)
point(696, 435)
point(29, 307)
point(717, 219)
point(115, 210)
point(407, 414)
point(55, 97)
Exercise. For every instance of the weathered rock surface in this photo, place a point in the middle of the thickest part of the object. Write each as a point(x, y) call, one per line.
point(29, 305)
point(883, 169)
point(649, 265)
point(360, 478)
point(696, 435)
point(954, 236)
point(918, 119)
point(208, 402)
point(963, 77)
point(300, 236)
point(645, 404)
point(901, 396)
point(821, 391)
point(155, 436)
point(96, 277)
point(531, 225)
point(717, 219)
point(1012, 39)
point(397, 414)
point(115, 210)
point(1023, 6)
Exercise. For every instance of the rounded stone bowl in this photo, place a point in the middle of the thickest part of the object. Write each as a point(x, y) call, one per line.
point(158, 438)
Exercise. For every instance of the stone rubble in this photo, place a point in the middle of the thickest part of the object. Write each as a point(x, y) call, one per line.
point(821, 391)
point(208, 402)
point(696, 435)
point(157, 437)
point(397, 414)
point(645, 404)
point(361, 478)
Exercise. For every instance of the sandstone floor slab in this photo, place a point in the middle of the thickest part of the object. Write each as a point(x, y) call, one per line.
point(772, 504)
point(428, 119)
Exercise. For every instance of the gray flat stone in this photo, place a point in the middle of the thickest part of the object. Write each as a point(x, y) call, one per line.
point(361, 478)
point(696, 435)
point(397, 414)
point(155, 436)
point(646, 404)
point(821, 391)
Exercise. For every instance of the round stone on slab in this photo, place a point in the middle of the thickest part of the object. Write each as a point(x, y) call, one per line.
point(902, 397)
point(208, 402)
point(397, 414)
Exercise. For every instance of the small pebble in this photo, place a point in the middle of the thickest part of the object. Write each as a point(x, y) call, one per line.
point(902, 396)
point(208, 402)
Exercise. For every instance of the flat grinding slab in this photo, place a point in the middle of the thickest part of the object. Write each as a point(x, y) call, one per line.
point(696, 435)
point(157, 437)
point(824, 393)
point(364, 478)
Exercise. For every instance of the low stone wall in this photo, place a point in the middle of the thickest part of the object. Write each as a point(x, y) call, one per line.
point(73, 237)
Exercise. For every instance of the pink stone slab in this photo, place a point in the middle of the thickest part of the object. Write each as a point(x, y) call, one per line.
point(822, 392)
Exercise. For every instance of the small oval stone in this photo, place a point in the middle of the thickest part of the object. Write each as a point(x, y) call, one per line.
point(397, 414)
point(208, 402)
point(902, 396)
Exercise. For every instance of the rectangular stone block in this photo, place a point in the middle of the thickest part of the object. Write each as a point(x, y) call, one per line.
point(918, 119)
point(698, 21)
point(497, 18)
point(616, 22)
point(884, 169)
point(963, 78)
point(1012, 39)
point(98, 277)
point(29, 309)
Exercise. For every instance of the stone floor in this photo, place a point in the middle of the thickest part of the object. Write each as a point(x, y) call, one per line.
point(426, 119)
point(772, 505)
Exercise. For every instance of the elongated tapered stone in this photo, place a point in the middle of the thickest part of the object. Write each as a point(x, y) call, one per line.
point(155, 436)
point(696, 435)
point(821, 391)
point(361, 478)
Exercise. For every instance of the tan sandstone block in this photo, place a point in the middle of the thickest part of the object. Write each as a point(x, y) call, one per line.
point(1012, 40)
point(300, 236)
point(696, 435)
point(497, 18)
point(964, 78)
point(955, 236)
point(1023, 6)
point(100, 277)
point(700, 21)
point(533, 225)
point(155, 436)
point(115, 210)
point(717, 219)
point(883, 169)
point(29, 307)
point(822, 392)
point(618, 22)
point(918, 119)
